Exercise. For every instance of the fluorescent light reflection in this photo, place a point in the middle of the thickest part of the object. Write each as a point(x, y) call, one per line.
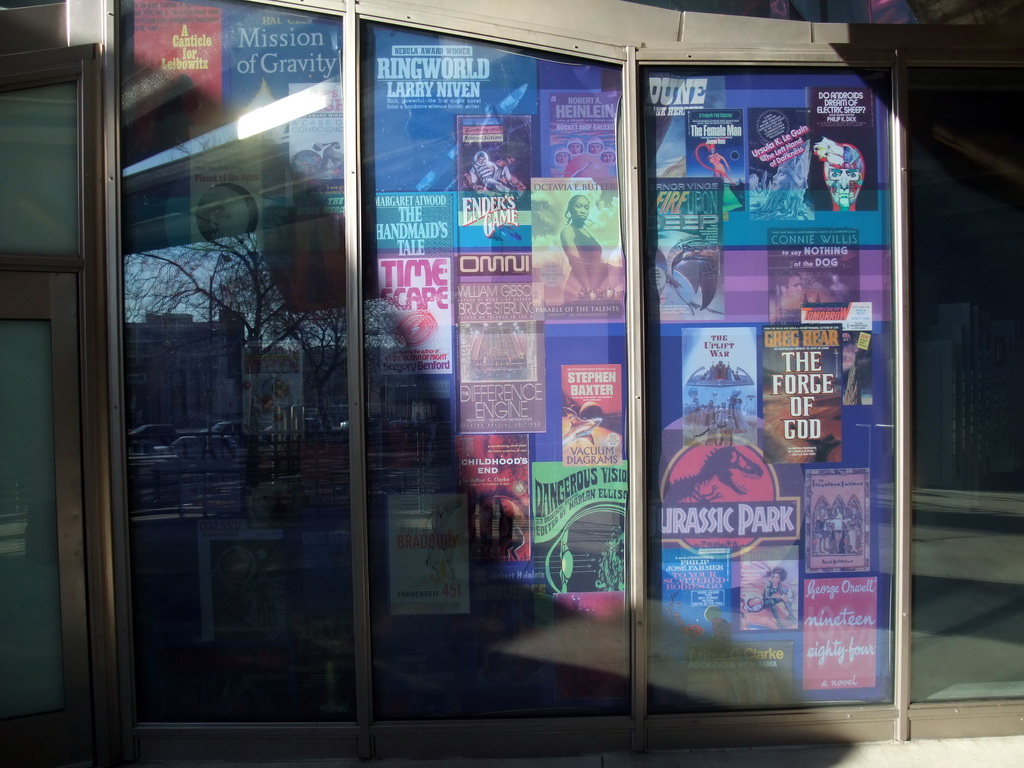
point(265, 118)
point(282, 111)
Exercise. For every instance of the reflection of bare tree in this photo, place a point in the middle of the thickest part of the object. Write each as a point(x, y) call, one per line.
point(380, 318)
point(323, 337)
point(227, 287)
point(381, 335)
point(204, 303)
point(227, 280)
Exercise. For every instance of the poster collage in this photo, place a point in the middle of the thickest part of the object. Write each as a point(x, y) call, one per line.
point(499, 273)
point(768, 264)
point(496, 378)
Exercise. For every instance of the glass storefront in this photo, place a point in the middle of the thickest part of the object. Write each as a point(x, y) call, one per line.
point(585, 409)
point(495, 375)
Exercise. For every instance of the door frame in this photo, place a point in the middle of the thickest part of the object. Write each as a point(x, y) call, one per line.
point(89, 278)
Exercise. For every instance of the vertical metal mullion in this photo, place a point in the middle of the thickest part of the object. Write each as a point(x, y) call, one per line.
point(100, 393)
point(635, 358)
point(356, 401)
point(903, 389)
point(125, 719)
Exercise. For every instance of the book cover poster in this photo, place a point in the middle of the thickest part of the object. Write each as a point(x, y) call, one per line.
point(499, 222)
point(719, 389)
point(802, 395)
point(811, 266)
point(723, 496)
point(497, 407)
point(271, 389)
point(577, 251)
point(579, 516)
point(494, 473)
point(316, 140)
point(494, 153)
point(695, 590)
point(226, 199)
point(667, 100)
point(270, 54)
point(715, 137)
point(843, 135)
point(855, 317)
point(501, 350)
point(181, 41)
point(242, 580)
point(592, 421)
point(578, 134)
point(838, 522)
point(779, 162)
point(421, 83)
point(858, 384)
point(840, 633)
point(305, 253)
point(841, 107)
point(687, 227)
point(740, 673)
point(428, 548)
point(770, 588)
point(419, 224)
point(418, 291)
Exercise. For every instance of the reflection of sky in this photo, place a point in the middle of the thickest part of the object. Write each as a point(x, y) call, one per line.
point(154, 280)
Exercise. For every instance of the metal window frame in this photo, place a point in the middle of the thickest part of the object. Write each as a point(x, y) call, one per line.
point(640, 37)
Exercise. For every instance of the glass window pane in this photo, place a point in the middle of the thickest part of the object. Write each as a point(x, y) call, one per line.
point(236, 344)
point(769, 263)
point(31, 651)
point(968, 575)
point(39, 149)
point(495, 357)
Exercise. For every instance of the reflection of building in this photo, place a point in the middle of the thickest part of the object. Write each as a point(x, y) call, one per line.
point(971, 367)
point(182, 370)
point(188, 373)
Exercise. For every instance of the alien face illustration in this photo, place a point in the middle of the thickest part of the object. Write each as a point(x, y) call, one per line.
point(844, 172)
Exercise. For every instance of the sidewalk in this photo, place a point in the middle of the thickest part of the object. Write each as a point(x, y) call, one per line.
point(1004, 752)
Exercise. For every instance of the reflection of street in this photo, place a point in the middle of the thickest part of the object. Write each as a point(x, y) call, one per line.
point(172, 484)
point(968, 595)
point(223, 484)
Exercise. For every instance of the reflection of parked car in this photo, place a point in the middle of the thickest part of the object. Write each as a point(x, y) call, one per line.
point(227, 428)
point(148, 436)
point(232, 428)
point(200, 447)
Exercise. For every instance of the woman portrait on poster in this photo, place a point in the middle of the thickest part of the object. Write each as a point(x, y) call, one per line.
point(588, 273)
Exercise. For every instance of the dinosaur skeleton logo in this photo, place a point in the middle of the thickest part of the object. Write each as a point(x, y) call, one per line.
point(725, 496)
